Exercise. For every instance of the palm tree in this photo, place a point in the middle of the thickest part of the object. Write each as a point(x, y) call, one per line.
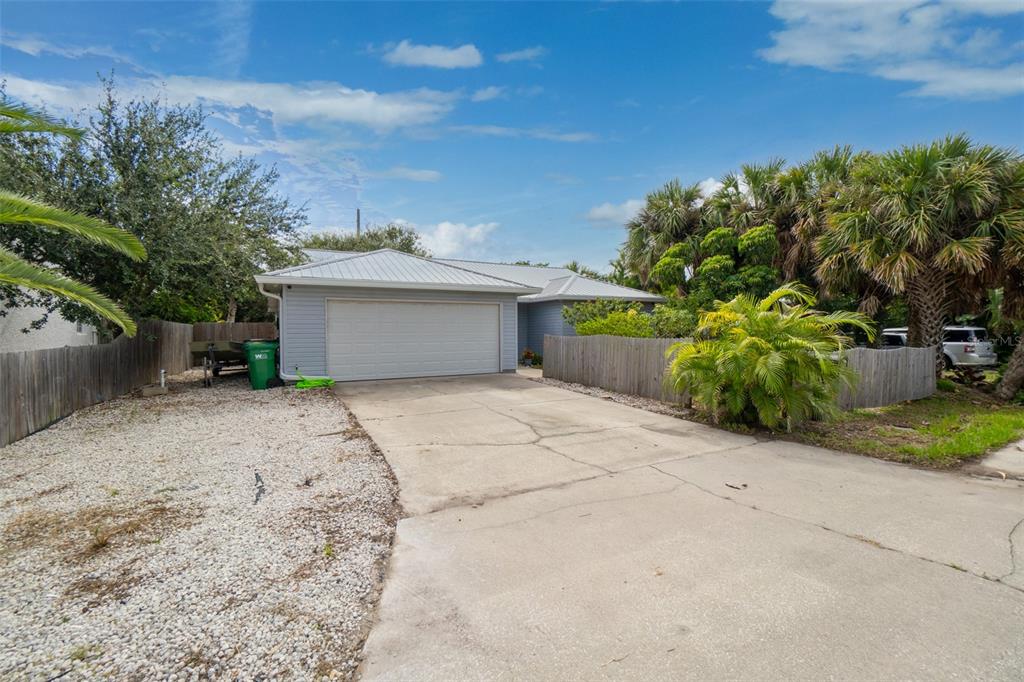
point(774, 361)
point(671, 214)
point(919, 220)
point(18, 210)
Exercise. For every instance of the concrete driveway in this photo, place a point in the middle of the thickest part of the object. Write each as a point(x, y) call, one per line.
point(552, 535)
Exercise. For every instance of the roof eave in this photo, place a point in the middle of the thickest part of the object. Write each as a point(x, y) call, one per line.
point(581, 297)
point(375, 284)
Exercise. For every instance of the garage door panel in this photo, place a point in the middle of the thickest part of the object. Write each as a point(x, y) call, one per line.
point(388, 339)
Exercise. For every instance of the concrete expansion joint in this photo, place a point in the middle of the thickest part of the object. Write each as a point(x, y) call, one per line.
point(860, 538)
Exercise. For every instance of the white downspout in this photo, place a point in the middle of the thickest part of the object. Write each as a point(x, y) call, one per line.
point(280, 314)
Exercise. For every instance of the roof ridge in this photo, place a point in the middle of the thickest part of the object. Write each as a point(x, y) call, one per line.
point(325, 261)
point(514, 265)
point(568, 281)
point(456, 267)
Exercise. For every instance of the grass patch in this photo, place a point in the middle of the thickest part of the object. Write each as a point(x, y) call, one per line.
point(942, 431)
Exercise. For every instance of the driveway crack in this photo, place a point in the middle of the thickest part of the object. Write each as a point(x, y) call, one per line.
point(852, 536)
point(1013, 550)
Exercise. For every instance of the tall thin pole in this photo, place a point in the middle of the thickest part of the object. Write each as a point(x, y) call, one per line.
point(357, 222)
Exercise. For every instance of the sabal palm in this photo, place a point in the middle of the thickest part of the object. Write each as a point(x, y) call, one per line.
point(918, 219)
point(775, 361)
point(671, 214)
point(18, 210)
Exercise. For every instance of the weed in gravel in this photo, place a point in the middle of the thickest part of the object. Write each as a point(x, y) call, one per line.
point(328, 550)
point(115, 585)
point(84, 533)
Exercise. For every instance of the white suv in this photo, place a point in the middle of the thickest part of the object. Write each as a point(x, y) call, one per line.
point(961, 347)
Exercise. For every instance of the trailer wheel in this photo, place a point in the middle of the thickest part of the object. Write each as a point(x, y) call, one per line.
point(216, 370)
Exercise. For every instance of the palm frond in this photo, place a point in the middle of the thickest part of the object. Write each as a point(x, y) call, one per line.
point(19, 118)
point(19, 273)
point(16, 209)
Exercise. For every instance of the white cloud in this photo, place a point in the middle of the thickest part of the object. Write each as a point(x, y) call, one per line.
point(615, 214)
point(535, 133)
point(488, 93)
point(405, 173)
point(286, 103)
point(528, 54)
point(233, 19)
point(922, 42)
point(709, 186)
point(437, 56)
point(36, 46)
point(447, 239)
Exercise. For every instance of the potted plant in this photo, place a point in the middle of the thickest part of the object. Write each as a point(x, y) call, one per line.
point(528, 356)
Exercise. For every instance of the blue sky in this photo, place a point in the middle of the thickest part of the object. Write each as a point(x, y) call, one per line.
point(515, 130)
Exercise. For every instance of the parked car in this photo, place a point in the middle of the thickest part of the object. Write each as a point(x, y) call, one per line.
point(961, 346)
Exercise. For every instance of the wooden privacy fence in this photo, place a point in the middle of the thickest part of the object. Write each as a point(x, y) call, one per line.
point(39, 387)
point(233, 331)
point(889, 376)
point(637, 367)
point(615, 363)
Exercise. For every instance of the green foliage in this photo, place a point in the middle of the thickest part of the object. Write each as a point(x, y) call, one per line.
point(946, 385)
point(714, 271)
point(209, 223)
point(672, 323)
point(629, 323)
point(755, 280)
point(759, 245)
point(584, 311)
point(390, 236)
point(769, 361)
point(18, 275)
point(584, 271)
point(720, 241)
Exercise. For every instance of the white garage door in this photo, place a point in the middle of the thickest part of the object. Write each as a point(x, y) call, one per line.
point(390, 340)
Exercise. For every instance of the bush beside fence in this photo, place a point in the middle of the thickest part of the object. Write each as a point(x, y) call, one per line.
point(636, 366)
point(40, 387)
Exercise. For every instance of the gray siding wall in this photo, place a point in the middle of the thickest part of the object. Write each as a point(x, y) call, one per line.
point(544, 318)
point(304, 325)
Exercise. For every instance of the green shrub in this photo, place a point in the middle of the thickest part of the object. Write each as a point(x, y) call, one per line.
point(947, 385)
point(672, 323)
point(629, 323)
point(720, 241)
point(585, 311)
point(769, 361)
point(759, 245)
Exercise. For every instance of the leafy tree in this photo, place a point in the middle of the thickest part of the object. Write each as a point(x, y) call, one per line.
point(208, 223)
point(583, 271)
point(18, 212)
point(773, 361)
point(390, 236)
point(670, 322)
point(924, 221)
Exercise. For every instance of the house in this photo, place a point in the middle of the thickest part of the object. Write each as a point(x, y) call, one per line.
point(387, 314)
point(56, 333)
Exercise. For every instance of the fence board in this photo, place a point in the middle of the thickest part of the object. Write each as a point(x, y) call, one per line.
point(615, 363)
point(233, 331)
point(637, 367)
point(39, 387)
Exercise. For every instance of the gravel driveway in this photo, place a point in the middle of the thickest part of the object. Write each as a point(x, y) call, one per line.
point(209, 532)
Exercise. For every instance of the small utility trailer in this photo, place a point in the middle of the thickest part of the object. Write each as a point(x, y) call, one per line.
point(216, 355)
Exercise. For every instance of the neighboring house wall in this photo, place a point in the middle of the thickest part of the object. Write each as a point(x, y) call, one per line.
point(544, 318)
point(303, 321)
point(56, 333)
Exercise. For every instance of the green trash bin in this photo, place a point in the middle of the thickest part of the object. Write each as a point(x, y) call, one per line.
point(262, 358)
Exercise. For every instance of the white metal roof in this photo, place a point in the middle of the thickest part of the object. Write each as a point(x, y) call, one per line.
point(557, 283)
point(577, 288)
point(325, 254)
point(387, 268)
point(534, 275)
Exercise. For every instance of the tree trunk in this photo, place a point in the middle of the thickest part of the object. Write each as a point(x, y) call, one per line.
point(928, 299)
point(1013, 378)
point(232, 309)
